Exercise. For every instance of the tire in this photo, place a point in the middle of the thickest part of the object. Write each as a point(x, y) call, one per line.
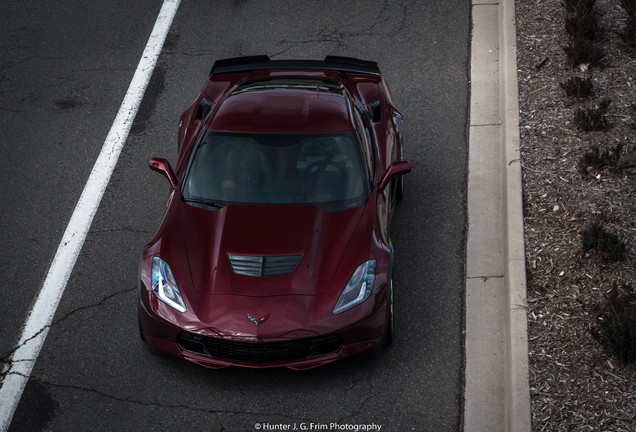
point(387, 337)
point(150, 347)
point(142, 335)
point(399, 190)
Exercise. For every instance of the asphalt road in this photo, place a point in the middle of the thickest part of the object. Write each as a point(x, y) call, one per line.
point(64, 69)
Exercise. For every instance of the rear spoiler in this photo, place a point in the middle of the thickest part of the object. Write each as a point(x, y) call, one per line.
point(251, 63)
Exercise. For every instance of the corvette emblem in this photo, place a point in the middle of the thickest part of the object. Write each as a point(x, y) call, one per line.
point(257, 321)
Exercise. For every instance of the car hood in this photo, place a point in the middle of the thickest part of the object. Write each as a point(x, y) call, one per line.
point(315, 238)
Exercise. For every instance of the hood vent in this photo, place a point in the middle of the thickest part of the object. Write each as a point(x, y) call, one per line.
point(251, 265)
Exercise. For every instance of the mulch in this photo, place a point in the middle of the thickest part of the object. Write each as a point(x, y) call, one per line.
point(576, 382)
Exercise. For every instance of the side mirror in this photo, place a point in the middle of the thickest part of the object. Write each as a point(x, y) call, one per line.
point(396, 169)
point(163, 166)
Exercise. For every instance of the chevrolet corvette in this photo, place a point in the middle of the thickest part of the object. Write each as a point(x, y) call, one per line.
point(275, 246)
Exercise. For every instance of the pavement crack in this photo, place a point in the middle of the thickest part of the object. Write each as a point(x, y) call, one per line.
point(7, 355)
point(122, 229)
point(144, 403)
point(207, 53)
point(339, 35)
point(369, 394)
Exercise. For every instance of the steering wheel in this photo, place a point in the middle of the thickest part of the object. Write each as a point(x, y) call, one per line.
point(315, 169)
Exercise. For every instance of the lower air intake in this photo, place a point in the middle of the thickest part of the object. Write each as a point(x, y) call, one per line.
point(268, 352)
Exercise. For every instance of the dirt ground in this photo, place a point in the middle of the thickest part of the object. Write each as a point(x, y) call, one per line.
point(576, 383)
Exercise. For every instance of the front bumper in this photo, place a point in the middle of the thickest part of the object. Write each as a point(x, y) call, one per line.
point(328, 340)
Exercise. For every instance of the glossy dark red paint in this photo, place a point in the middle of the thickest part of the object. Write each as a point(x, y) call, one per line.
point(195, 241)
point(262, 111)
point(320, 237)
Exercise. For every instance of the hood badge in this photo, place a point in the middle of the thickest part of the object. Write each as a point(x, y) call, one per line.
point(257, 321)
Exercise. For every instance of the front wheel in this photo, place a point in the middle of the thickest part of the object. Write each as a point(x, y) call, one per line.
point(387, 337)
point(142, 335)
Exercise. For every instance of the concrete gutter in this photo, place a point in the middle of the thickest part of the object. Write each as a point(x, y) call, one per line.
point(517, 394)
point(496, 393)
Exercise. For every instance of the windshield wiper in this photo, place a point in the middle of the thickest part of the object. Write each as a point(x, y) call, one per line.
point(203, 203)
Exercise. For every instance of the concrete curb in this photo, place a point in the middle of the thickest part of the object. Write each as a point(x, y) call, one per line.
point(517, 396)
point(496, 388)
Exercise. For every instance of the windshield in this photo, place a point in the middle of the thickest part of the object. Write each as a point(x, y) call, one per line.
point(324, 169)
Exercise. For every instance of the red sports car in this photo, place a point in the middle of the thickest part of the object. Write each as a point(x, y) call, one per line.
point(275, 247)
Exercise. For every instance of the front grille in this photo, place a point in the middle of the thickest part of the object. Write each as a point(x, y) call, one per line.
point(252, 265)
point(295, 349)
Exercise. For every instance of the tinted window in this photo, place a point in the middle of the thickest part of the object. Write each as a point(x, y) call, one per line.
point(311, 84)
point(309, 169)
point(366, 141)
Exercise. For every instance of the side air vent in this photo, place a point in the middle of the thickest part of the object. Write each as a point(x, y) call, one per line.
point(250, 265)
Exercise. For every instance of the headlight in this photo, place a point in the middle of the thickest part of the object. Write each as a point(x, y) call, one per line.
point(358, 288)
point(164, 286)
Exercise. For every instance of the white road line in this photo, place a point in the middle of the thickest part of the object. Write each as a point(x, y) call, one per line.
point(43, 309)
